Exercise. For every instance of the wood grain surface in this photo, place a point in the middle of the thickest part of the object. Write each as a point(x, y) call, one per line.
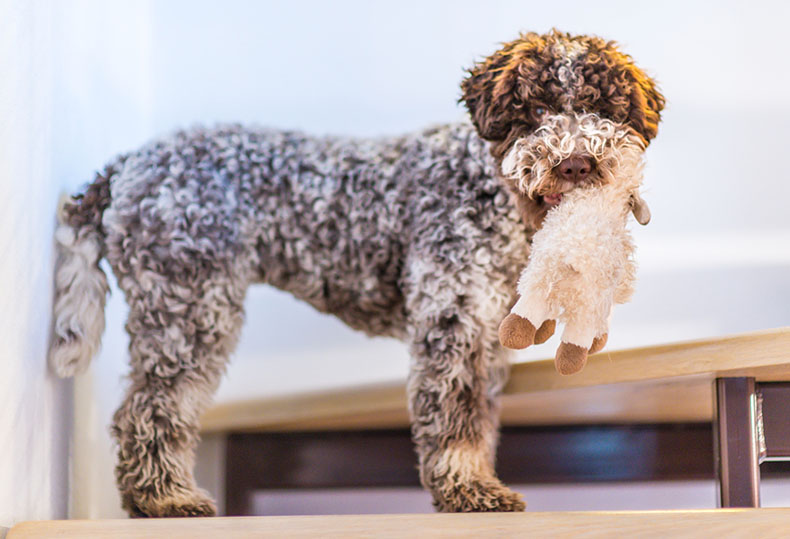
point(657, 384)
point(762, 523)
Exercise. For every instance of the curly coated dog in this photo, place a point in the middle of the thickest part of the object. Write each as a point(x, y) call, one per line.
point(420, 237)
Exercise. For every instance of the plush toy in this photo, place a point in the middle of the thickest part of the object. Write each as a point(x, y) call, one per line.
point(581, 264)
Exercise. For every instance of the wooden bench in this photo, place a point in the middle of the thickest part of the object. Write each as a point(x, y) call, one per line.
point(734, 383)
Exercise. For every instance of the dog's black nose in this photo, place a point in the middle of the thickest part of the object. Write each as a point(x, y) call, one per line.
point(575, 168)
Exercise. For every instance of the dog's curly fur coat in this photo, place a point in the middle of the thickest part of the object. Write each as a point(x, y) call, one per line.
point(418, 237)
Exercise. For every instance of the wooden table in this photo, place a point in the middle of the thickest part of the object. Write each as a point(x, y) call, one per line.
point(738, 384)
point(734, 383)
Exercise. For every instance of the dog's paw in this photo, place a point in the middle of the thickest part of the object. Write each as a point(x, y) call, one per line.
point(516, 332)
point(197, 508)
point(196, 504)
point(478, 496)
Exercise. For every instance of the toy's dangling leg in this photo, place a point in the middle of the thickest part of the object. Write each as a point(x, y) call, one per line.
point(545, 331)
point(517, 331)
point(574, 348)
point(598, 343)
point(570, 358)
point(600, 340)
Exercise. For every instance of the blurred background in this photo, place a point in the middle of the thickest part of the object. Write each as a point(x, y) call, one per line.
point(85, 80)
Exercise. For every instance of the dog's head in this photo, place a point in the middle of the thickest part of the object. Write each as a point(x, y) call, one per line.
point(561, 111)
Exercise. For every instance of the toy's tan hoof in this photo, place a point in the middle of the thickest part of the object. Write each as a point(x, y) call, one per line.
point(545, 331)
point(570, 358)
point(598, 343)
point(516, 332)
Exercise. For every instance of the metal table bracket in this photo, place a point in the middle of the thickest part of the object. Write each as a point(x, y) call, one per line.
point(751, 425)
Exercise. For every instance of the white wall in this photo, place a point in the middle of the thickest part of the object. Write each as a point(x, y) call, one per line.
point(74, 91)
point(34, 407)
point(714, 259)
point(103, 106)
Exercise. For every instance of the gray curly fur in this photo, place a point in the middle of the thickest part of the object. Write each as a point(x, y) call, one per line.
point(412, 237)
point(417, 237)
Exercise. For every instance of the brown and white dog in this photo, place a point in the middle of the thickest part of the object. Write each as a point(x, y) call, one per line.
point(420, 237)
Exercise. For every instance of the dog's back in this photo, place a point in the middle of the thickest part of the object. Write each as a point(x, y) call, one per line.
point(332, 220)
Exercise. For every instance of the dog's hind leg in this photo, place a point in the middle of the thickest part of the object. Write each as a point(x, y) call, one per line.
point(457, 371)
point(182, 331)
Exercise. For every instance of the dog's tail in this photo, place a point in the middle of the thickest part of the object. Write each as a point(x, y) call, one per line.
point(80, 284)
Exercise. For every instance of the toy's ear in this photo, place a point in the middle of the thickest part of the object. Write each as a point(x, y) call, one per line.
point(640, 209)
point(647, 102)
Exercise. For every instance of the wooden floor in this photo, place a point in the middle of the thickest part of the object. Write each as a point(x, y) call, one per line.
point(720, 523)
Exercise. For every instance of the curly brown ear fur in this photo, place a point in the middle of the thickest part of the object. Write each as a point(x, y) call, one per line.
point(617, 88)
point(647, 102)
point(504, 91)
point(494, 91)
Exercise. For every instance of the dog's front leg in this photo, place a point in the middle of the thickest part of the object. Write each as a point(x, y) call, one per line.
point(454, 414)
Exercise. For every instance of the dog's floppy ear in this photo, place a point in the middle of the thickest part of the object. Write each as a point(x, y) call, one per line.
point(495, 87)
point(639, 208)
point(488, 93)
point(647, 102)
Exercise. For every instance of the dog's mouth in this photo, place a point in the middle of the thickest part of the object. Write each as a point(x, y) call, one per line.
point(554, 194)
point(552, 199)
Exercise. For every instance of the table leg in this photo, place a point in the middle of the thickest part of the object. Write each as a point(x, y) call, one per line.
point(736, 441)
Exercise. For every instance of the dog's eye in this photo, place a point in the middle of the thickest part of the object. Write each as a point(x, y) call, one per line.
point(539, 111)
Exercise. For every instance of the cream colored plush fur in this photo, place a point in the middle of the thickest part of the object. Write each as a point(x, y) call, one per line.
point(581, 264)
